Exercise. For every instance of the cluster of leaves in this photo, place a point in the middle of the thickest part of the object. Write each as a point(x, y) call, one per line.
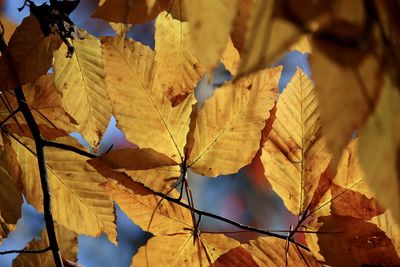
point(330, 151)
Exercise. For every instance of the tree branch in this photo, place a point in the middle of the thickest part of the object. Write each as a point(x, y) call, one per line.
point(25, 251)
point(68, 147)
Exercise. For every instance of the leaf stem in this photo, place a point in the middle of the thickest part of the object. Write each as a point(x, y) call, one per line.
point(25, 251)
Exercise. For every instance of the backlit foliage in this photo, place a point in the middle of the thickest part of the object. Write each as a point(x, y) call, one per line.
point(329, 144)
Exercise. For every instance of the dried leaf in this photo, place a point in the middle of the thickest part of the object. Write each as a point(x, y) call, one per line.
point(210, 21)
point(230, 58)
point(347, 241)
point(78, 202)
point(80, 80)
point(173, 228)
point(295, 154)
point(379, 149)
point(269, 251)
point(241, 23)
point(177, 68)
point(267, 39)
point(129, 11)
point(67, 242)
point(239, 257)
point(10, 199)
point(29, 55)
point(235, 114)
point(386, 223)
point(131, 75)
point(345, 106)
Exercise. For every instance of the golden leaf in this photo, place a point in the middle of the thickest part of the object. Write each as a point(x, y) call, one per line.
point(29, 55)
point(10, 199)
point(235, 114)
point(176, 66)
point(386, 223)
point(267, 38)
point(210, 21)
point(67, 243)
point(347, 92)
point(230, 58)
point(349, 193)
point(148, 119)
point(80, 80)
point(379, 149)
point(78, 202)
point(295, 155)
point(152, 169)
point(175, 242)
point(45, 103)
point(120, 29)
point(129, 11)
point(269, 251)
point(238, 257)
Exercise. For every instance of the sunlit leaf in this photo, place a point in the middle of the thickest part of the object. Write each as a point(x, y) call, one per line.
point(175, 240)
point(140, 106)
point(347, 241)
point(235, 114)
point(386, 223)
point(29, 55)
point(129, 11)
point(177, 68)
point(67, 242)
point(210, 21)
point(10, 199)
point(230, 58)
point(295, 154)
point(78, 202)
point(80, 80)
point(379, 149)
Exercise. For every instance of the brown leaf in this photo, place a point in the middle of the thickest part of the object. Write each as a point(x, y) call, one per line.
point(347, 241)
point(29, 55)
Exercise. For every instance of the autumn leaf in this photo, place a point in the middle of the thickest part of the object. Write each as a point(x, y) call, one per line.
point(241, 23)
point(74, 185)
point(239, 257)
point(29, 55)
point(230, 58)
point(128, 11)
point(235, 114)
point(268, 37)
point(80, 80)
point(347, 241)
point(349, 193)
point(152, 169)
point(176, 66)
point(67, 242)
point(175, 236)
point(10, 199)
point(387, 224)
point(131, 75)
point(45, 102)
point(345, 106)
point(379, 149)
point(210, 21)
point(295, 154)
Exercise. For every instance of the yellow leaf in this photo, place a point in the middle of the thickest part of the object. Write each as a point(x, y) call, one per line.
point(29, 55)
point(379, 149)
point(129, 11)
point(235, 114)
point(80, 80)
point(177, 68)
point(230, 58)
point(10, 199)
point(267, 38)
point(345, 106)
point(270, 251)
point(152, 169)
point(67, 243)
point(349, 193)
point(120, 29)
point(175, 242)
point(147, 119)
point(295, 155)
point(210, 25)
point(45, 103)
point(78, 202)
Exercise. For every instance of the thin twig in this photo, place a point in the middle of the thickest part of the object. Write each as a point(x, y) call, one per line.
point(25, 251)
point(50, 143)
